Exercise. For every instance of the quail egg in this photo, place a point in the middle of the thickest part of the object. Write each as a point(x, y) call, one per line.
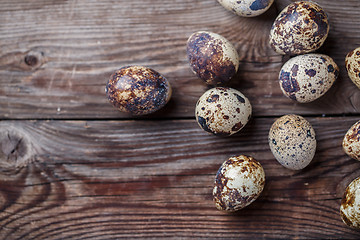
point(305, 78)
point(301, 27)
point(352, 63)
point(350, 204)
point(238, 182)
point(247, 8)
point(222, 111)
point(351, 142)
point(138, 90)
point(292, 141)
point(212, 57)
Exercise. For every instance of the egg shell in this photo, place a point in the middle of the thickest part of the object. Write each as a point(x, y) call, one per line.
point(292, 141)
point(351, 141)
point(350, 204)
point(238, 182)
point(302, 27)
point(222, 111)
point(305, 78)
point(352, 63)
point(212, 57)
point(138, 90)
point(247, 8)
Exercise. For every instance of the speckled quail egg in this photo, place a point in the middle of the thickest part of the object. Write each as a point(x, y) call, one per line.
point(138, 90)
point(301, 27)
point(222, 111)
point(350, 204)
point(351, 142)
point(292, 141)
point(212, 57)
point(352, 63)
point(247, 8)
point(305, 78)
point(238, 182)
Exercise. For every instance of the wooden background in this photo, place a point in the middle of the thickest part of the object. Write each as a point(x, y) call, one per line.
point(73, 167)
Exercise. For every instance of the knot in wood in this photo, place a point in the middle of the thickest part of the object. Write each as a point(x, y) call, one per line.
point(16, 150)
point(33, 60)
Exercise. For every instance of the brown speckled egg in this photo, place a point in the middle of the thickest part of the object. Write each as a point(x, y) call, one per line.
point(301, 27)
point(351, 142)
point(222, 111)
point(352, 63)
point(247, 8)
point(138, 90)
point(212, 57)
point(238, 182)
point(305, 78)
point(292, 141)
point(350, 205)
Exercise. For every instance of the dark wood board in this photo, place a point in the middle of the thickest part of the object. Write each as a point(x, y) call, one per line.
point(114, 179)
point(78, 44)
point(73, 167)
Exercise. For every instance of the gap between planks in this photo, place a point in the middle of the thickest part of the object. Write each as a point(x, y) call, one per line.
point(171, 118)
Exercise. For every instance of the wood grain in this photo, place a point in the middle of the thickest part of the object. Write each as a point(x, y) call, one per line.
point(55, 56)
point(92, 172)
point(151, 179)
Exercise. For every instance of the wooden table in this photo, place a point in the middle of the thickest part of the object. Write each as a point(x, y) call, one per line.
point(73, 167)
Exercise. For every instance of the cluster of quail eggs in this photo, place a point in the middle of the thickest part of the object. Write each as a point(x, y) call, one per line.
point(300, 29)
point(214, 59)
point(224, 111)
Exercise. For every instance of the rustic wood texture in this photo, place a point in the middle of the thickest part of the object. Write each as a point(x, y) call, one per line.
point(112, 179)
point(55, 56)
point(73, 167)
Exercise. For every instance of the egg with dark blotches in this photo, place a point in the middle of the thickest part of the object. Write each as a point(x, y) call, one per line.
point(350, 204)
point(138, 90)
point(307, 77)
point(292, 141)
point(247, 8)
point(223, 111)
point(351, 141)
point(212, 57)
point(352, 64)
point(238, 182)
point(302, 27)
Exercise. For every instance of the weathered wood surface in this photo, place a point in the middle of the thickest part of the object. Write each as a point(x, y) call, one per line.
point(112, 179)
point(92, 178)
point(55, 56)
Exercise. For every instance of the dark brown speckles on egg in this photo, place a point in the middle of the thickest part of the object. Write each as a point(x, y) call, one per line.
point(289, 84)
point(307, 77)
point(301, 27)
point(352, 65)
point(292, 141)
point(241, 99)
point(138, 90)
point(310, 72)
point(246, 8)
point(238, 182)
point(203, 124)
point(351, 141)
point(350, 205)
point(212, 58)
point(331, 68)
point(222, 111)
point(237, 127)
point(213, 98)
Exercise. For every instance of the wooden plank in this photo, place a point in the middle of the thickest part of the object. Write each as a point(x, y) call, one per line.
point(151, 179)
point(55, 56)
